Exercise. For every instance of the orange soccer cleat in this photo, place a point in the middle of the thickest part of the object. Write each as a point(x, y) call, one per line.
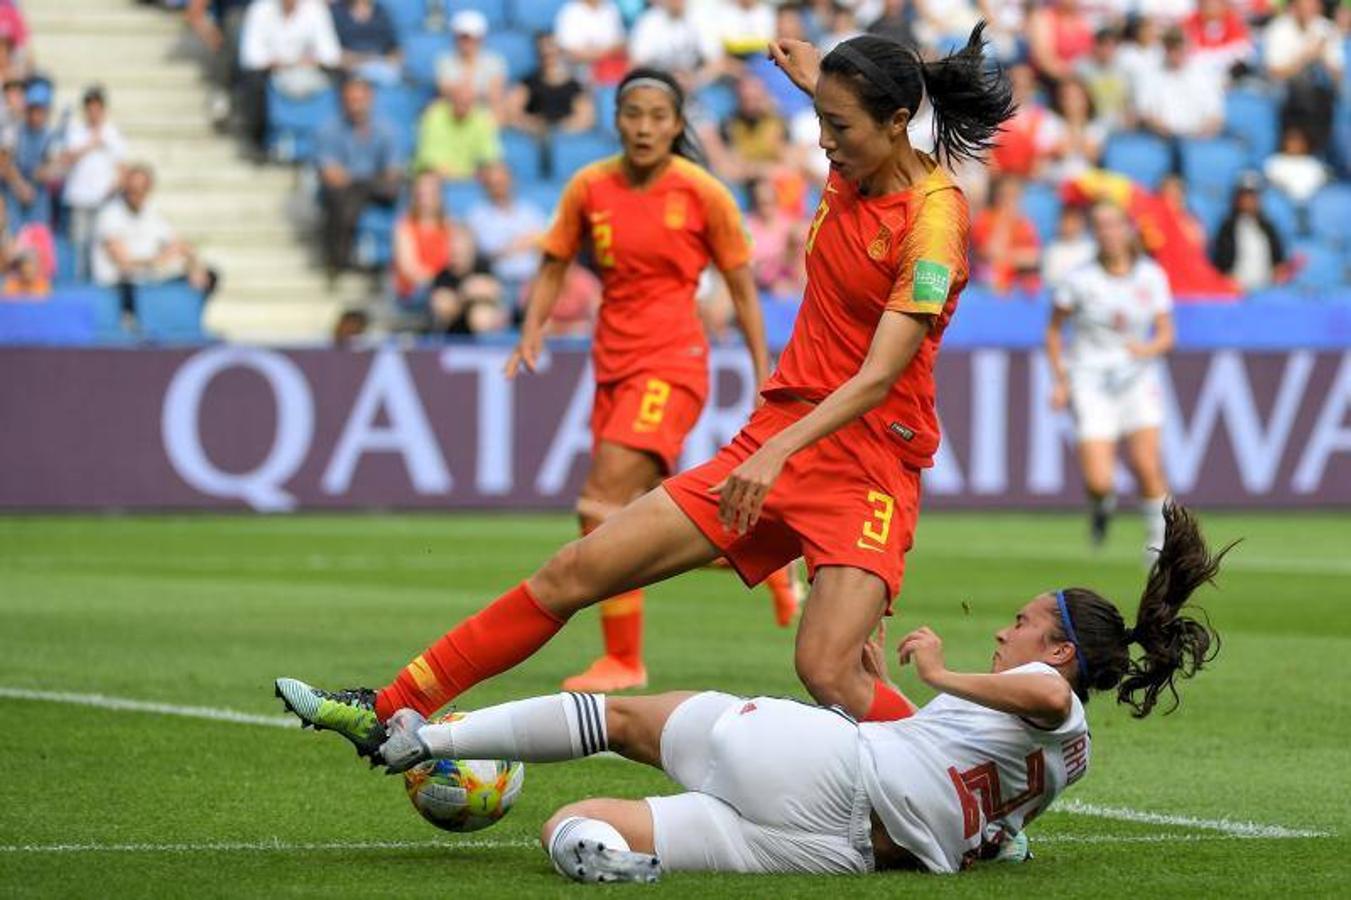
point(606, 675)
point(784, 589)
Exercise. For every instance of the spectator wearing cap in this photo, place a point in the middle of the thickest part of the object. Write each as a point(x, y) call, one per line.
point(359, 164)
point(1183, 98)
point(290, 44)
point(135, 246)
point(664, 37)
point(24, 276)
point(1293, 170)
point(508, 230)
point(470, 62)
point(456, 135)
point(13, 60)
point(217, 24)
point(1059, 35)
point(1247, 246)
point(92, 156)
point(370, 44)
point(1303, 52)
point(1108, 82)
point(32, 161)
point(591, 34)
point(550, 97)
point(34, 238)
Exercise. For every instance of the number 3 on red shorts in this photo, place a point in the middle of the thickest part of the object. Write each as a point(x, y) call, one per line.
point(876, 529)
point(653, 405)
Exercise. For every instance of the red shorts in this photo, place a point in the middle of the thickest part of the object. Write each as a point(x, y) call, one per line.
point(647, 412)
point(844, 501)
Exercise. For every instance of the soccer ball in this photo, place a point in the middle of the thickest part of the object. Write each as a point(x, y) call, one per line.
point(464, 794)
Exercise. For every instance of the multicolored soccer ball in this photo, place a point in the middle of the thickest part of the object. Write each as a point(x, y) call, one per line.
point(464, 794)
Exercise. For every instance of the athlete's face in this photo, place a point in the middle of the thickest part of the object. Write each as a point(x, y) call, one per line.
point(1111, 230)
point(856, 144)
point(648, 126)
point(1032, 637)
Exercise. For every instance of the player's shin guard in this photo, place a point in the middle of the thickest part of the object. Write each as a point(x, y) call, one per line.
point(888, 704)
point(540, 729)
point(501, 635)
point(621, 622)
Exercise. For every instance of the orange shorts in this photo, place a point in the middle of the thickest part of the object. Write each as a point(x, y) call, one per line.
point(647, 412)
point(845, 501)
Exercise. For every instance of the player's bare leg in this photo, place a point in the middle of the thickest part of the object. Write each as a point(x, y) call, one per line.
point(1146, 464)
point(843, 609)
point(617, 475)
point(1097, 461)
point(648, 541)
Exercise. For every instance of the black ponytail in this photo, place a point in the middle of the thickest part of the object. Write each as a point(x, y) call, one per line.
point(1175, 645)
point(687, 143)
point(970, 99)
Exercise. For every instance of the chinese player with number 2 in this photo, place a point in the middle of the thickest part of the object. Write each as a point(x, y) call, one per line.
point(828, 468)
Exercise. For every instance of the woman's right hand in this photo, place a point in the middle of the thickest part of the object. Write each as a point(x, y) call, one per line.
point(527, 353)
point(799, 60)
point(1060, 395)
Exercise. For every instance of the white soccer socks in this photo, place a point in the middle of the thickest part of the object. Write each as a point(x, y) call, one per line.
point(1151, 510)
point(593, 851)
point(540, 729)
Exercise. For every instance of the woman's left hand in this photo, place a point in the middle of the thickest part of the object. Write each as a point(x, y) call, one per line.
point(925, 650)
point(741, 495)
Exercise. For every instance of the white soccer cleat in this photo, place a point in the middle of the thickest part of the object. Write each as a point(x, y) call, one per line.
point(594, 863)
point(404, 748)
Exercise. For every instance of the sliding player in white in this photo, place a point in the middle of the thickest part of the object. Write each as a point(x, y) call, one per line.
point(779, 786)
point(1120, 309)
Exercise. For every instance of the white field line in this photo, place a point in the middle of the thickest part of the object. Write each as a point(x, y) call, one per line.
point(1227, 827)
point(272, 846)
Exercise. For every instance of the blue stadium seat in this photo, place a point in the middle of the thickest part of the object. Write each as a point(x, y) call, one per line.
point(606, 98)
point(1041, 204)
point(65, 260)
point(462, 196)
point(107, 308)
point(495, 11)
point(401, 107)
point(517, 48)
point(170, 313)
point(1323, 267)
point(1252, 117)
point(534, 15)
point(291, 123)
point(1212, 165)
point(420, 50)
point(1280, 209)
point(1209, 209)
point(543, 194)
point(374, 244)
point(571, 152)
point(1330, 214)
point(718, 100)
point(520, 151)
point(65, 318)
point(1139, 156)
point(408, 15)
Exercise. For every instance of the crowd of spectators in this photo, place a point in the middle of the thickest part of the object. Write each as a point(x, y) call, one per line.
point(1144, 87)
point(76, 207)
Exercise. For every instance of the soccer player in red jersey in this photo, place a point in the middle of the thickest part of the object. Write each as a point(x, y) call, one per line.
point(653, 219)
point(829, 466)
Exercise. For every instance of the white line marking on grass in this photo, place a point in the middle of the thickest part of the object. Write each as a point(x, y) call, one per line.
point(124, 704)
point(1227, 827)
point(272, 846)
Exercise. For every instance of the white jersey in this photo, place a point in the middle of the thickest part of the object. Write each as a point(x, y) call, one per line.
point(1109, 313)
point(948, 779)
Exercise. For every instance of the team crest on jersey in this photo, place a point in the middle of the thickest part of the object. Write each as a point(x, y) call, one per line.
point(675, 211)
point(880, 245)
point(932, 280)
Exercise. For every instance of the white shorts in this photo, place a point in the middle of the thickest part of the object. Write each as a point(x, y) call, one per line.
point(774, 787)
point(1106, 408)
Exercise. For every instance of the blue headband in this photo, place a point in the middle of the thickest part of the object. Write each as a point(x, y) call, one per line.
point(1074, 639)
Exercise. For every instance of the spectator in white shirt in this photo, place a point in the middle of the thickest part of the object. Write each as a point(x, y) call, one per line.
point(1183, 98)
point(664, 37)
point(1294, 171)
point(507, 229)
point(134, 245)
point(591, 35)
point(92, 157)
point(290, 43)
point(1303, 49)
point(469, 61)
point(733, 29)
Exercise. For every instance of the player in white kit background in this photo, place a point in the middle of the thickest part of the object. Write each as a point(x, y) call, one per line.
point(1119, 309)
point(776, 785)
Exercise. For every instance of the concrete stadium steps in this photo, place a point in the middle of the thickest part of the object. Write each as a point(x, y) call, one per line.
point(238, 214)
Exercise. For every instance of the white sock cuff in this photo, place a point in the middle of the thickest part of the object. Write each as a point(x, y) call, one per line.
point(586, 714)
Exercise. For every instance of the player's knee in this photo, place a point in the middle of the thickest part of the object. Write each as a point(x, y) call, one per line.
point(585, 809)
point(561, 582)
point(823, 674)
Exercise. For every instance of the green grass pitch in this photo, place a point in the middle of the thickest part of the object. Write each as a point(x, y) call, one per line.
point(205, 611)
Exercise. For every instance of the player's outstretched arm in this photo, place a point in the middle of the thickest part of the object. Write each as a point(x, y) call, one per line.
point(548, 285)
point(750, 320)
point(1044, 699)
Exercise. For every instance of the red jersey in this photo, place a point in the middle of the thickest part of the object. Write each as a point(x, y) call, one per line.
point(865, 255)
point(650, 244)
